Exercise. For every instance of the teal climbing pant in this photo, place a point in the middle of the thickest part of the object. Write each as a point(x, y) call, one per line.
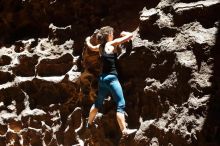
point(109, 84)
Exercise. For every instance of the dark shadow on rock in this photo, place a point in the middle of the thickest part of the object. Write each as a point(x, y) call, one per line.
point(6, 77)
point(149, 28)
point(163, 66)
point(152, 4)
point(5, 60)
point(3, 140)
point(189, 1)
point(55, 67)
point(28, 31)
point(206, 15)
point(43, 93)
point(131, 67)
point(183, 88)
point(26, 66)
point(210, 134)
point(30, 19)
point(10, 94)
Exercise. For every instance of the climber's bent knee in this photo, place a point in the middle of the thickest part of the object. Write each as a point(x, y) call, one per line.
point(121, 109)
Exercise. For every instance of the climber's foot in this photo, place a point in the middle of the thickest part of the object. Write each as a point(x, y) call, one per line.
point(126, 132)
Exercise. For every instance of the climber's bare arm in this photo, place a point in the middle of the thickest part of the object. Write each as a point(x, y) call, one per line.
point(92, 47)
point(126, 36)
point(112, 45)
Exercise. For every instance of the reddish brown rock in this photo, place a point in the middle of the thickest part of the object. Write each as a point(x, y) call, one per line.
point(16, 126)
point(55, 67)
point(3, 129)
point(26, 66)
point(6, 77)
point(5, 60)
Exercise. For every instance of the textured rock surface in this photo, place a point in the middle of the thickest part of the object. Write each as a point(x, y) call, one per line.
point(169, 72)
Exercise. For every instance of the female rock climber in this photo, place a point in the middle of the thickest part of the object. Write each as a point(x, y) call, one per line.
point(108, 80)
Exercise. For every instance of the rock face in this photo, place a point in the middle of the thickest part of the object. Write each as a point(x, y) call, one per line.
point(169, 72)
